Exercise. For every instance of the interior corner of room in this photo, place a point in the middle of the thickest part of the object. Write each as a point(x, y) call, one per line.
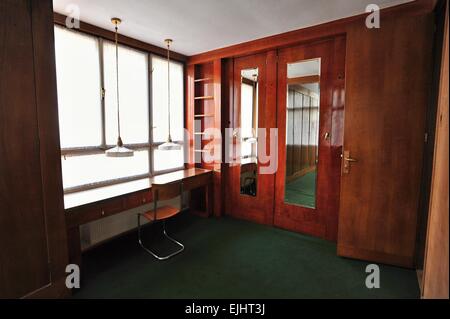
point(287, 148)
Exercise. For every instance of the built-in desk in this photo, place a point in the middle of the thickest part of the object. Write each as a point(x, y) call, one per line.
point(87, 206)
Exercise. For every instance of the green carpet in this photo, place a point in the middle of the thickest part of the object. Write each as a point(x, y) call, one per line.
point(302, 191)
point(227, 258)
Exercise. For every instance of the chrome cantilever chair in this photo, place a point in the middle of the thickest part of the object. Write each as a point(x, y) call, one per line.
point(161, 193)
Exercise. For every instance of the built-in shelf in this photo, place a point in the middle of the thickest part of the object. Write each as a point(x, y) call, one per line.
point(204, 115)
point(204, 98)
point(203, 80)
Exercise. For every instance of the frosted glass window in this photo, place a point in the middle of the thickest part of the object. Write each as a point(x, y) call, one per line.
point(160, 100)
point(82, 170)
point(78, 80)
point(84, 64)
point(167, 160)
point(134, 96)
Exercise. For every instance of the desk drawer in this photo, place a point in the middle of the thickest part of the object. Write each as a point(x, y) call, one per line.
point(112, 207)
point(93, 212)
point(197, 181)
point(137, 200)
point(147, 197)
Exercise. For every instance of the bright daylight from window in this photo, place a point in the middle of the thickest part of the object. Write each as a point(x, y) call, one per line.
point(88, 123)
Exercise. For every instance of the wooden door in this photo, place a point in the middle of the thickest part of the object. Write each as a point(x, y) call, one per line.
point(436, 271)
point(388, 73)
point(319, 216)
point(33, 241)
point(257, 208)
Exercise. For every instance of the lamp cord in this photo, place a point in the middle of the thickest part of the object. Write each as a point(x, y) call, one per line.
point(117, 80)
point(168, 86)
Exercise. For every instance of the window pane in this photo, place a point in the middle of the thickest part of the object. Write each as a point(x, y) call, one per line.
point(81, 170)
point(78, 80)
point(247, 110)
point(160, 97)
point(133, 90)
point(166, 160)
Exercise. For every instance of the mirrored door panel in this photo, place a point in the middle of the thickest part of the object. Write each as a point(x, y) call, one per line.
point(250, 190)
point(310, 95)
point(249, 129)
point(302, 132)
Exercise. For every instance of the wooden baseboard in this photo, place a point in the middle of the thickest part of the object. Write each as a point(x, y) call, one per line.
point(374, 256)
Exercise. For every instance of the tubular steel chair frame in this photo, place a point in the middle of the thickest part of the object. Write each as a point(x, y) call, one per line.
point(156, 192)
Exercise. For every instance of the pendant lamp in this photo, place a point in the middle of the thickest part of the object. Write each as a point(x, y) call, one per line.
point(119, 150)
point(169, 145)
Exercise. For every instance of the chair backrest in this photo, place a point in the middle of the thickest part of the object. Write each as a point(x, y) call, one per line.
point(167, 191)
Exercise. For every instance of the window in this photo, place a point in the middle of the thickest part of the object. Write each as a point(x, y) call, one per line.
point(247, 106)
point(166, 160)
point(134, 95)
point(78, 70)
point(85, 68)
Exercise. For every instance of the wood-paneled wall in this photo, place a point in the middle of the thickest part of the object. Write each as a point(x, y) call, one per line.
point(435, 278)
point(33, 242)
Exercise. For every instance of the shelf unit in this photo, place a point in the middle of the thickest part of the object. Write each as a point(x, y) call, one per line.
point(205, 102)
point(203, 97)
point(204, 110)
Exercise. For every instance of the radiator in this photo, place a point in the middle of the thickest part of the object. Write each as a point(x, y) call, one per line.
point(101, 230)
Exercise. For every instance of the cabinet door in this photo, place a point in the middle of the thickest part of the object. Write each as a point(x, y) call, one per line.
point(254, 95)
point(388, 72)
point(32, 229)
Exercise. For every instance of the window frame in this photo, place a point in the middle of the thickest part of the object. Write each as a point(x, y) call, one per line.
point(150, 146)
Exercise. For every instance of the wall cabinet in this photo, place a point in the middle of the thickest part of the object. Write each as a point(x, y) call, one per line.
point(33, 240)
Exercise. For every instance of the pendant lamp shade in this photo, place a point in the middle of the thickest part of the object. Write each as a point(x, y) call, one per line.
point(119, 150)
point(169, 145)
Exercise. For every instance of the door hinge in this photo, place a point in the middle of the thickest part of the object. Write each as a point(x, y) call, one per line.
point(103, 93)
point(426, 138)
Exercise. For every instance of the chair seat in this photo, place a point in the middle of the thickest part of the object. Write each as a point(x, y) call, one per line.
point(163, 212)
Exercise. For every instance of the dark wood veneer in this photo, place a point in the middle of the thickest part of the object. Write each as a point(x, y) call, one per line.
point(32, 227)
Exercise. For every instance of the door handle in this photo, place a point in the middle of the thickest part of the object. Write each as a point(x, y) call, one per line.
point(347, 161)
